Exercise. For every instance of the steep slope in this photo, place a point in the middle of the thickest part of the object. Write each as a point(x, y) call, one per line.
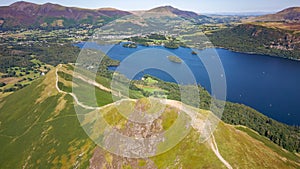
point(39, 128)
point(286, 15)
point(25, 14)
point(261, 39)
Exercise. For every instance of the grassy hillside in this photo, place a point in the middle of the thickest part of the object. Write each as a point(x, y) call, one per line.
point(39, 128)
point(281, 134)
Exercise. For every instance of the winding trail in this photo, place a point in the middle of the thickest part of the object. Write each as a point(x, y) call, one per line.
point(196, 122)
point(213, 144)
point(72, 94)
point(91, 82)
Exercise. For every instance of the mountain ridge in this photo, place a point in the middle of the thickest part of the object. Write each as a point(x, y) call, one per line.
point(291, 14)
point(30, 15)
point(26, 14)
point(43, 138)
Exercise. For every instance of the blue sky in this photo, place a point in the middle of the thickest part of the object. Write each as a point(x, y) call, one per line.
point(200, 6)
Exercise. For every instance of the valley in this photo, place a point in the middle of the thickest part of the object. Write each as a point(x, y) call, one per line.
point(60, 110)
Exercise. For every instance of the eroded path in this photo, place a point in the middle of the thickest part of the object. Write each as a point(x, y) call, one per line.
point(198, 125)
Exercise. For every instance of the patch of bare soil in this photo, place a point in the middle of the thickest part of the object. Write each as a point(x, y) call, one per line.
point(9, 80)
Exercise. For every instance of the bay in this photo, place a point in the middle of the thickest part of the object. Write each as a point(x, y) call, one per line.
point(271, 85)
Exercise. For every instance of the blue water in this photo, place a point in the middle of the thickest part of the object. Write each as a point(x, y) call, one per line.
point(268, 84)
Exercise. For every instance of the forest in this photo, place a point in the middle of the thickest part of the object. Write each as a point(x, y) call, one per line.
point(259, 40)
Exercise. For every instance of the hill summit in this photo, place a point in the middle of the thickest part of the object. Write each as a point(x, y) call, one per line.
point(287, 15)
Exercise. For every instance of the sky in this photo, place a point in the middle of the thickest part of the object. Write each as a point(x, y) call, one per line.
point(199, 6)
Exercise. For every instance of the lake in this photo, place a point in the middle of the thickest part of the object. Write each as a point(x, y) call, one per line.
point(270, 85)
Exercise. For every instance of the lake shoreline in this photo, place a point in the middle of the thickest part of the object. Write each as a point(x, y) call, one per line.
point(252, 79)
point(252, 53)
point(214, 47)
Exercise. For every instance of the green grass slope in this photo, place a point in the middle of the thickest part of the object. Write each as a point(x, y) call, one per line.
point(39, 129)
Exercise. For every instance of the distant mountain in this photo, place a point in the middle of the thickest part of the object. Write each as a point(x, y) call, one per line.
point(25, 14)
point(242, 14)
point(29, 15)
point(165, 19)
point(286, 15)
point(273, 34)
point(189, 15)
point(175, 11)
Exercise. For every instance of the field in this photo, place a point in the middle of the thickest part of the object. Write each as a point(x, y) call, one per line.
point(16, 78)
